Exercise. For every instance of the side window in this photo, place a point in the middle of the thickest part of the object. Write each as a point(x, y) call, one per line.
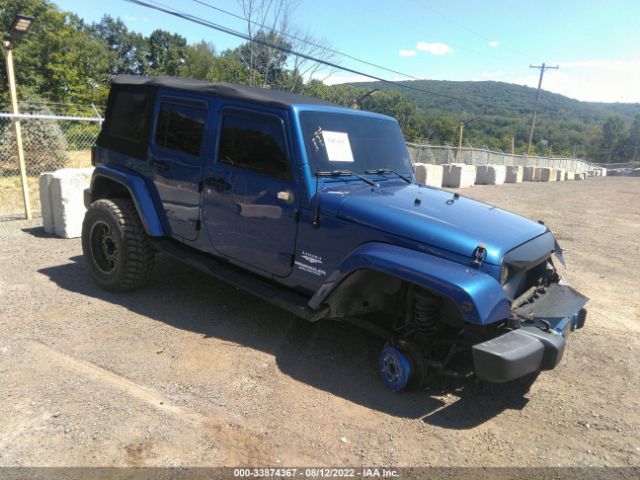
point(180, 128)
point(128, 116)
point(255, 143)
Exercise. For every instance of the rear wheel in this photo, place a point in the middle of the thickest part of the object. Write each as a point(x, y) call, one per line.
point(116, 248)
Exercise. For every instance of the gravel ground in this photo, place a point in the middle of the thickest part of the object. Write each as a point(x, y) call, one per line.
point(192, 372)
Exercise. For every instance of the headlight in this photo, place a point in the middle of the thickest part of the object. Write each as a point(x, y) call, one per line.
point(504, 274)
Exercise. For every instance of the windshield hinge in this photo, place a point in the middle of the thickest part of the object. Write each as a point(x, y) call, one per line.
point(479, 254)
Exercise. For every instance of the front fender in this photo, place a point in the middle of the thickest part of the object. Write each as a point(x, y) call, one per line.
point(139, 193)
point(478, 295)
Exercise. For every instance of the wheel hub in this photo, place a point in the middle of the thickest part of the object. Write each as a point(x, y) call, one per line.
point(394, 368)
point(104, 248)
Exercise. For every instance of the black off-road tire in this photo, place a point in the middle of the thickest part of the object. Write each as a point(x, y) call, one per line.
point(116, 248)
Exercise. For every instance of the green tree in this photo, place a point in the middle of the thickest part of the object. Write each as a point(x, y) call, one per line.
point(200, 61)
point(165, 54)
point(128, 48)
point(265, 64)
point(613, 136)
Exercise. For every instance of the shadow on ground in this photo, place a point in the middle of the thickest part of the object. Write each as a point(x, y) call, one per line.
point(332, 356)
point(38, 232)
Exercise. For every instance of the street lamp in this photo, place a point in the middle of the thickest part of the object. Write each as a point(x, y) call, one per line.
point(19, 27)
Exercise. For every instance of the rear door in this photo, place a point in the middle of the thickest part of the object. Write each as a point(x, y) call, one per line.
point(250, 205)
point(176, 155)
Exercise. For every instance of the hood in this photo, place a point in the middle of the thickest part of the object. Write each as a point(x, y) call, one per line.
point(435, 218)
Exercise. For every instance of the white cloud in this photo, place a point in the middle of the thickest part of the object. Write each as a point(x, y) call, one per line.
point(493, 43)
point(591, 80)
point(407, 53)
point(436, 48)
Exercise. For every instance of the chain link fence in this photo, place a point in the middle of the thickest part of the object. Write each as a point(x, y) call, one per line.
point(50, 142)
point(440, 154)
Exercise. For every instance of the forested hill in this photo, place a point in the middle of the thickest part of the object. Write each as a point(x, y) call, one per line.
point(501, 99)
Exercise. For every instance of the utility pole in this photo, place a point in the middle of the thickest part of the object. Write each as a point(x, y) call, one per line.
point(513, 145)
point(460, 142)
point(542, 68)
point(462, 124)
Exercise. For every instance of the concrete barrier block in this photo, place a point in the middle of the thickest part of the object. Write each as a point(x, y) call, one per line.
point(560, 175)
point(532, 174)
point(46, 208)
point(537, 172)
point(603, 171)
point(514, 174)
point(548, 174)
point(428, 174)
point(570, 175)
point(458, 175)
point(67, 203)
point(490, 174)
point(581, 176)
point(528, 174)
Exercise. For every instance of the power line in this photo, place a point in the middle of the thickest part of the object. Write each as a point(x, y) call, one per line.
point(308, 42)
point(221, 28)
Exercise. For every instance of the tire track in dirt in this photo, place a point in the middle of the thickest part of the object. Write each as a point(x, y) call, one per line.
point(239, 445)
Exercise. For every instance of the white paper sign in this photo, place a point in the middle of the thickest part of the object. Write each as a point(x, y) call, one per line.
point(338, 146)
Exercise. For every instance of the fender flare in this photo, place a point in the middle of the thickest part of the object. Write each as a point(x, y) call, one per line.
point(139, 193)
point(478, 295)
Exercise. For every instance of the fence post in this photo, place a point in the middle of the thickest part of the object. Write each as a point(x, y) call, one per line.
point(18, 130)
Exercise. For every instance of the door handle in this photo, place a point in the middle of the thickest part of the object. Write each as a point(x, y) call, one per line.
point(158, 165)
point(217, 183)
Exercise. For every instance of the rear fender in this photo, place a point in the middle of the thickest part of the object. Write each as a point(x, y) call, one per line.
point(478, 295)
point(102, 182)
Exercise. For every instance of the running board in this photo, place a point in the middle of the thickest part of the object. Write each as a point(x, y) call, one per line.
point(263, 288)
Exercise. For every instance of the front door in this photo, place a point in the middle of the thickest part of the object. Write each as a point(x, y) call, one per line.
point(175, 155)
point(250, 209)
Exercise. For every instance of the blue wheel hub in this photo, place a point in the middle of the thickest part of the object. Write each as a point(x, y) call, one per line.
point(394, 367)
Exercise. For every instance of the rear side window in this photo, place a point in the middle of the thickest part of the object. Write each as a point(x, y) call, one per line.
point(180, 128)
point(128, 115)
point(128, 120)
point(255, 143)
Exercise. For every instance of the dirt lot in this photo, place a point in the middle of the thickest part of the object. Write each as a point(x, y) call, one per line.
point(190, 371)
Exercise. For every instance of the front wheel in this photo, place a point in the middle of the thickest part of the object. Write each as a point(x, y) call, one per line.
point(402, 367)
point(116, 249)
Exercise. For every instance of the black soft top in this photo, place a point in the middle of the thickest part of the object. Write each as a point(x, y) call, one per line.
point(274, 98)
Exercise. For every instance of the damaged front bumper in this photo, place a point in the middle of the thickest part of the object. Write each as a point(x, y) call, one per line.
point(540, 327)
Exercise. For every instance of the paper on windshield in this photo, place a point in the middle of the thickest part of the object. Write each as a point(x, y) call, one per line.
point(338, 146)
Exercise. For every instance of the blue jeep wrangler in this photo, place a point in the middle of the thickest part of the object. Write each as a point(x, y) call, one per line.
point(314, 207)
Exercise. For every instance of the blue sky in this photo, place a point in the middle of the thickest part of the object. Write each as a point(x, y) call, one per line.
point(595, 42)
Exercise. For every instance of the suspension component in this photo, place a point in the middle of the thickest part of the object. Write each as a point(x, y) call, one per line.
point(425, 312)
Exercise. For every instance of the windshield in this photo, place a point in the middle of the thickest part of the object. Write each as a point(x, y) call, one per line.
point(356, 143)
